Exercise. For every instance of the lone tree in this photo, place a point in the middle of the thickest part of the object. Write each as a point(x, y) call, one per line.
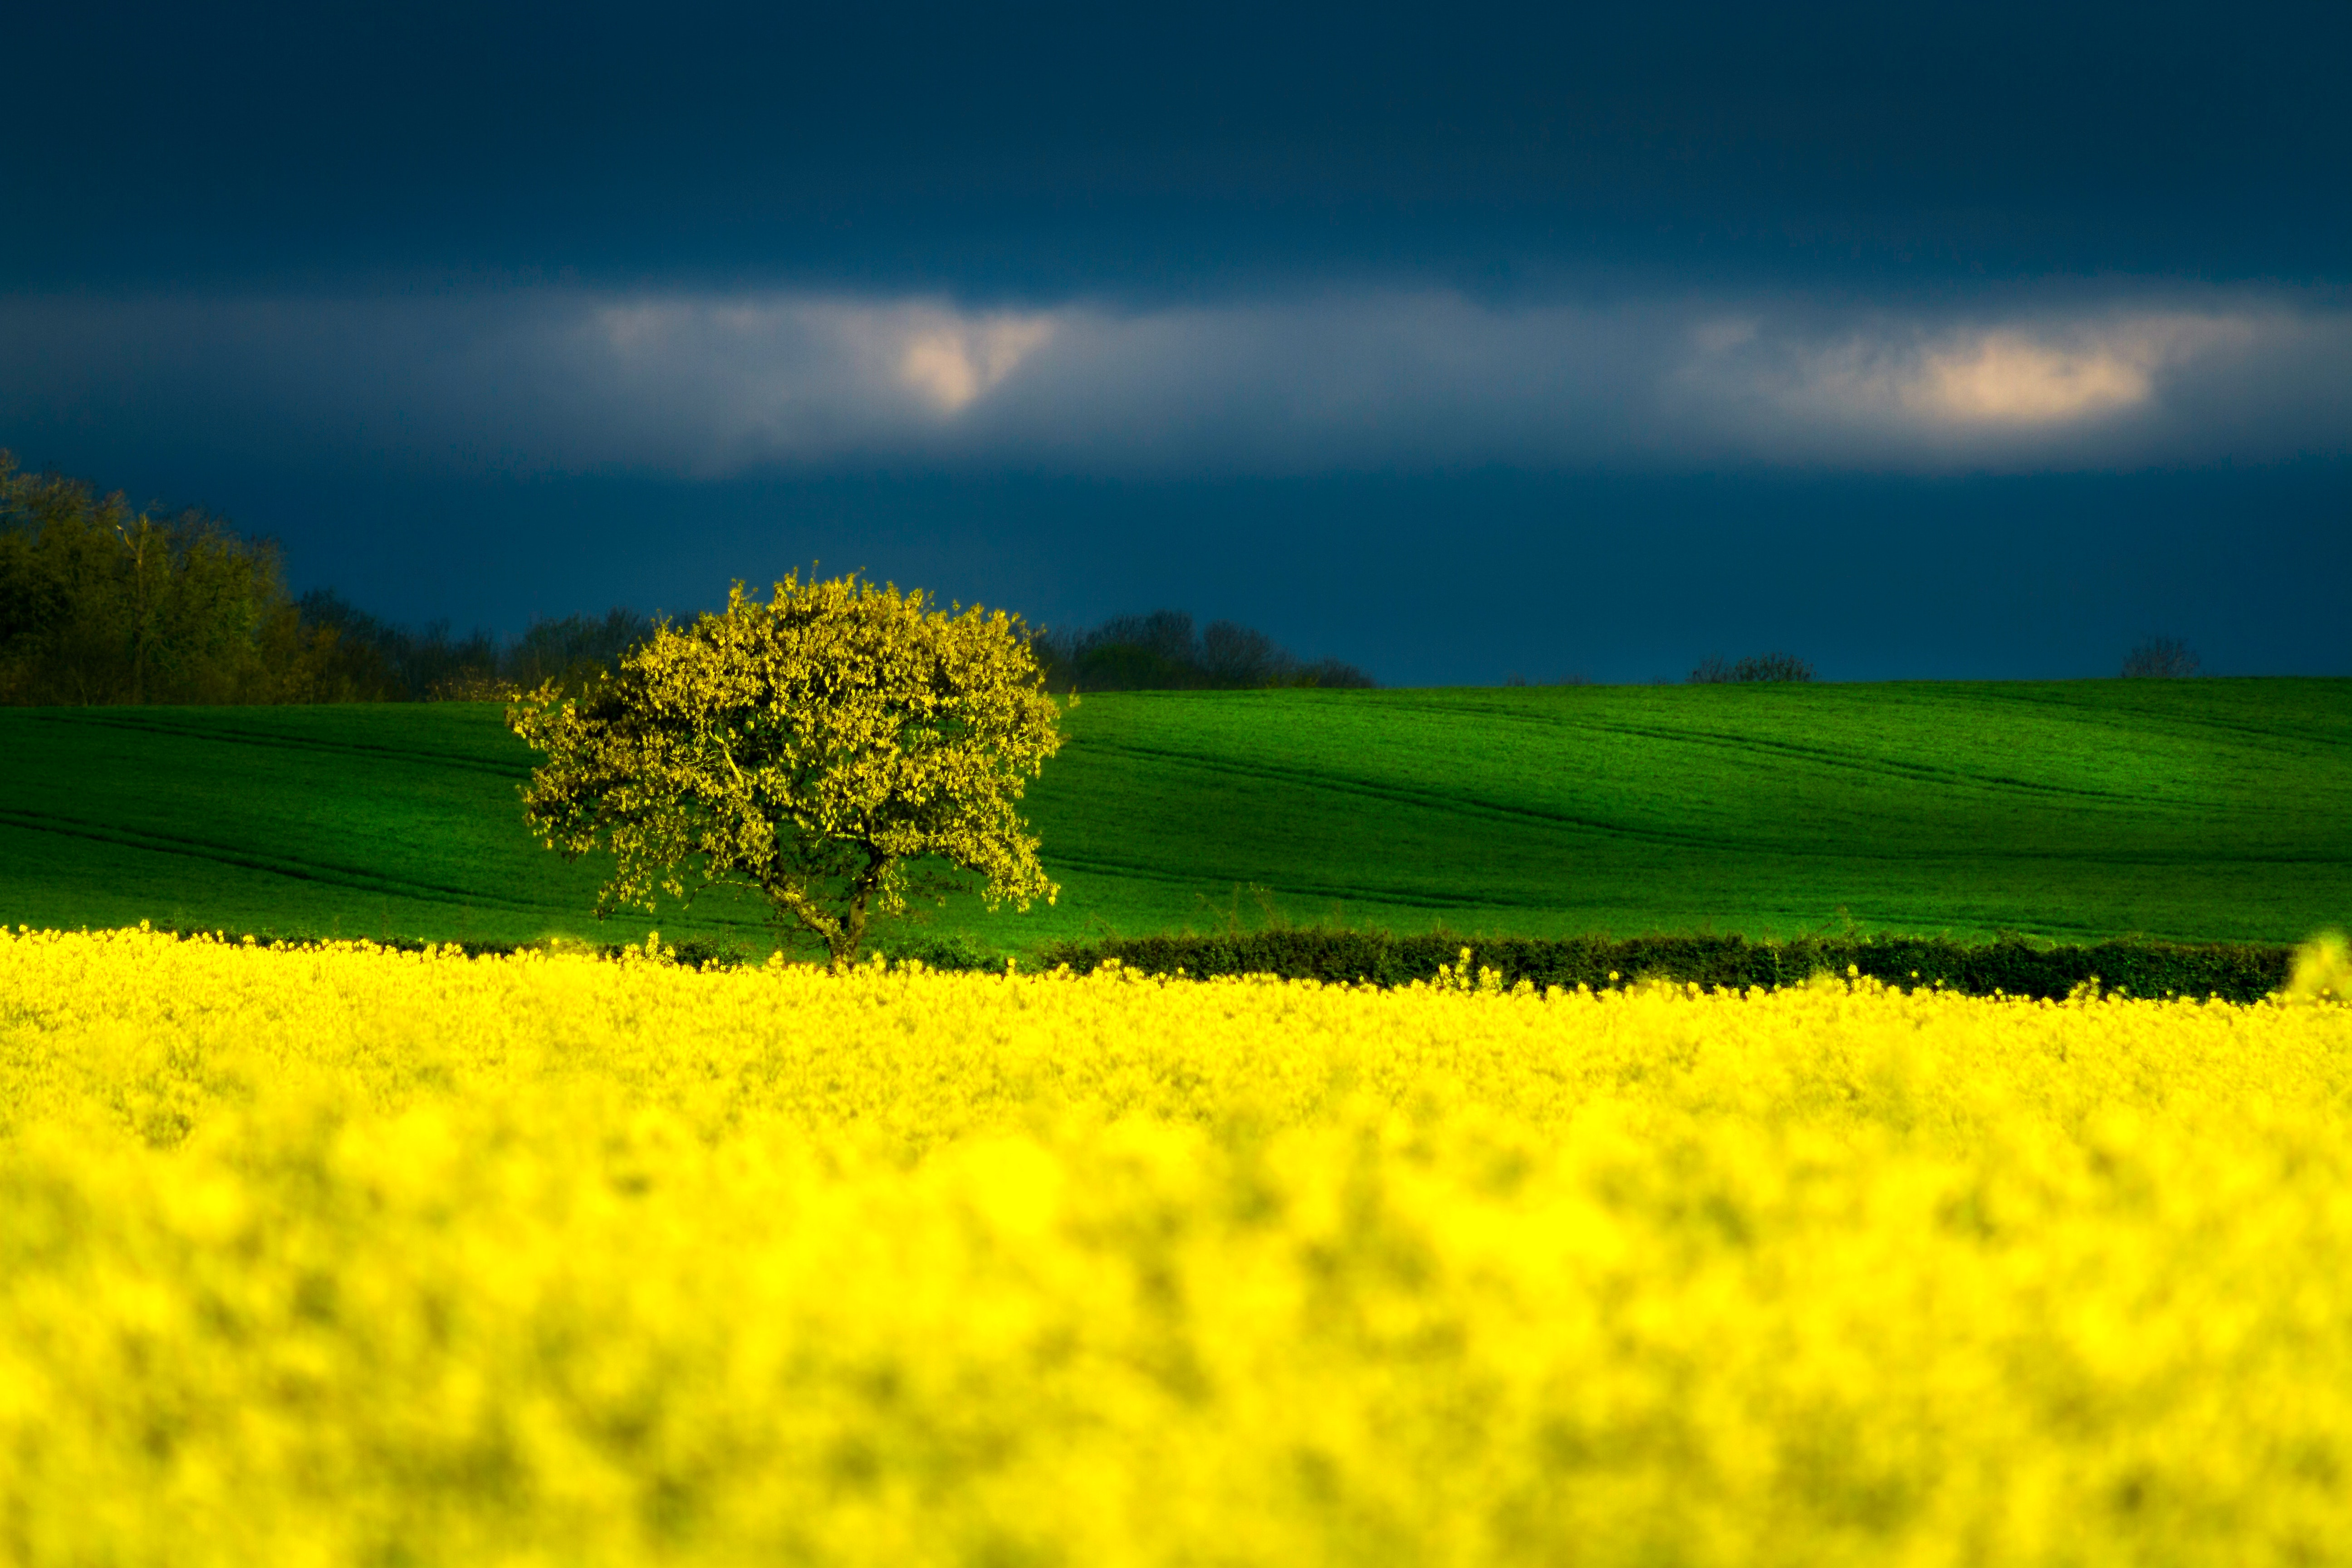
point(812, 748)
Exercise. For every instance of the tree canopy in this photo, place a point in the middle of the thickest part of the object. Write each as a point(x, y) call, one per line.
point(100, 603)
point(816, 748)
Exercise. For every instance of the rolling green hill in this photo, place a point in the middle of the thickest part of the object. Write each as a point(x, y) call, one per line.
point(2198, 809)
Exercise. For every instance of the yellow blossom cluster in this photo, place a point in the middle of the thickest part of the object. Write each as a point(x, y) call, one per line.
point(342, 1256)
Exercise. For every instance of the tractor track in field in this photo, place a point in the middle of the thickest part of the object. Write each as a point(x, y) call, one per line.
point(1414, 898)
point(1894, 916)
point(1399, 794)
point(358, 878)
point(2268, 738)
point(1820, 756)
point(232, 737)
point(1827, 850)
point(1463, 806)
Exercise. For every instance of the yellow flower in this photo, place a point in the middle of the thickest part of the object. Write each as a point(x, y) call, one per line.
point(334, 1254)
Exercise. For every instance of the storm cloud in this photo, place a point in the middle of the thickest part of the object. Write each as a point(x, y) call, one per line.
point(1961, 339)
point(708, 385)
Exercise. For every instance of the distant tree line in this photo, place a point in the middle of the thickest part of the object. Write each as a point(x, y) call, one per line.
point(102, 604)
point(1161, 652)
point(397, 663)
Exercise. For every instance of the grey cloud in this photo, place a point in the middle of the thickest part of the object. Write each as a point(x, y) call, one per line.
point(712, 384)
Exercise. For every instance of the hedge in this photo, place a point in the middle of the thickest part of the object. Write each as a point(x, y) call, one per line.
point(2236, 971)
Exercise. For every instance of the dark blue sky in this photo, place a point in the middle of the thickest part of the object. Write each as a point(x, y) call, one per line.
point(1974, 341)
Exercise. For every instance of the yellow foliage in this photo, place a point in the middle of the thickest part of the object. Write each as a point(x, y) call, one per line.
point(808, 748)
point(335, 1256)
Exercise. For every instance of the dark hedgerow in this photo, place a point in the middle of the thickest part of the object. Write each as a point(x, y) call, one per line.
point(2234, 972)
point(2011, 966)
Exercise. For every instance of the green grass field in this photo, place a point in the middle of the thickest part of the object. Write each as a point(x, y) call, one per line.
point(2217, 809)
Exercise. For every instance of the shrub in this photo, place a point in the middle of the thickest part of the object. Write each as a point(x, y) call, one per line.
point(2159, 659)
point(1764, 667)
point(944, 949)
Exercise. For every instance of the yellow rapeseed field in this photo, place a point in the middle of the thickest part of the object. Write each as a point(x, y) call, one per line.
point(336, 1256)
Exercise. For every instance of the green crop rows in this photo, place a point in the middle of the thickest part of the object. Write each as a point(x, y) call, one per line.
point(2205, 809)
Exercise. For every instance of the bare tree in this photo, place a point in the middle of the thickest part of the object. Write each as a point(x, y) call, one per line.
point(2159, 659)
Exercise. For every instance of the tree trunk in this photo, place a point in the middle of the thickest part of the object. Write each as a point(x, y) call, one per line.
point(844, 933)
